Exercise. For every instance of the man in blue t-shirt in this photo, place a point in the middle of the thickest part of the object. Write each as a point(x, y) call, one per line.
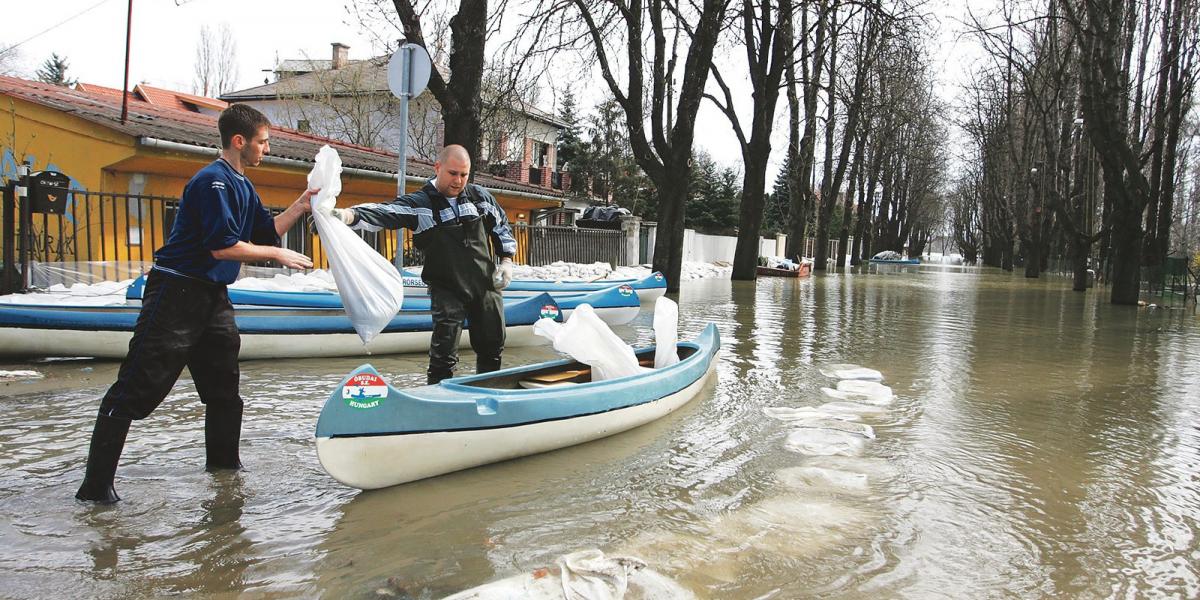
point(186, 317)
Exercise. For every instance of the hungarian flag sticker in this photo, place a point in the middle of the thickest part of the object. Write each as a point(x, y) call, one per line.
point(365, 390)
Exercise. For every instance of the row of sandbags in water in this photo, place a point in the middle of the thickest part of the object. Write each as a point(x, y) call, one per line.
point(832, 437)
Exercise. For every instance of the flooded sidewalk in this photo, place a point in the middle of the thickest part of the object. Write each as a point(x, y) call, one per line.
point(1032, 442)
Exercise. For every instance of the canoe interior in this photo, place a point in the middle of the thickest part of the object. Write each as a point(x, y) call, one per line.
point(572, 372)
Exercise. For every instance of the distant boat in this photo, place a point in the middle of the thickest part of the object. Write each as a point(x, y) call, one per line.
point(104, 331)
point(372, 435)
point(898, 261)
point(891, 257)
point(803, 270)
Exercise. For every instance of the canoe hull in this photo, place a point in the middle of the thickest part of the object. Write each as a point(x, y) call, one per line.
point(106, 333)
point(115, 344)
point(353, 461)
point(613, 301)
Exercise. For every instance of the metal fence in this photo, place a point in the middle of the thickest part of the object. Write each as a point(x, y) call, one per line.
point(114, 234)
point(539, 245)
point(98, 229)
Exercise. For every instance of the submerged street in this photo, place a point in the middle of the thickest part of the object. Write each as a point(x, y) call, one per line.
point(1041, 443)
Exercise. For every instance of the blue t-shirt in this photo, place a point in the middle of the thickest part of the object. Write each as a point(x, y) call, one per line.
point(219, 208)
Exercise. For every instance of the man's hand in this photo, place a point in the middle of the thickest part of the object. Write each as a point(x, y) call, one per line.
point(504, 273)
point(345, 214)
point(304, 202)
point(287, 218)
point(292, 259)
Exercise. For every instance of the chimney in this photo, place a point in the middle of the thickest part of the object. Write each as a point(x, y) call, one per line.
point(341, 54)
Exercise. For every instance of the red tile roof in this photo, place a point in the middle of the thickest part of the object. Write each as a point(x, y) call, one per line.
point(179, 100)
point(146, 120)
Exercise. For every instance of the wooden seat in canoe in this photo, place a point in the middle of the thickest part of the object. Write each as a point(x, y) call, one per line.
point(568, 377)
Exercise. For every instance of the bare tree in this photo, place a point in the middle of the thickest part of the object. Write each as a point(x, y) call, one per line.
point(350, 103)
point(646, 38)
point(459, 96)
point(10, 60)
point(766, 32)
point(215, 69)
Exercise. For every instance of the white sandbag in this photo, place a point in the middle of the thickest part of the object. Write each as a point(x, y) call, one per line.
point(838, 425)
point(586, 338)
point(824, 479)
point(583, 575)
point(869, 392)
point(806, 413)
point(666, 332)
point(857, 408)
point(824, 442)
point(866, 388)
point(848, 371)
point(371, 289)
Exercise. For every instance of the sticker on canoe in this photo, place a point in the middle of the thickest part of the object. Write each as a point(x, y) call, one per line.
point(625, 290)
point(364, 390)
point(658, 277)
point(549, 311)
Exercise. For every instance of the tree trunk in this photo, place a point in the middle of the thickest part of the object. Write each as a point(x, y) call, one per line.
point(745, 256)
point(802, 190)
point(766, 68)
point(460, 96)
point(668, 245)
point(828, 189)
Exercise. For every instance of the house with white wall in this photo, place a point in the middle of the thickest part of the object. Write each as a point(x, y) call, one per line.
point(349, 100)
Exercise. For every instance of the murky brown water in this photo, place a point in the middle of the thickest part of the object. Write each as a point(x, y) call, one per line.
point(1041, 444)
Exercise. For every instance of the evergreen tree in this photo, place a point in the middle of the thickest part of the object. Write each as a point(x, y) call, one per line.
point(713, 197)
point(570, 141)
point(775, 215)
point(54, 71)
point(609, 162)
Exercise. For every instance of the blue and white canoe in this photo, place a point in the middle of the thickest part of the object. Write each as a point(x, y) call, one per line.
point(104, 332)
point(648, 288)
point(372, 435)
point(615, 305)
point(895, 261)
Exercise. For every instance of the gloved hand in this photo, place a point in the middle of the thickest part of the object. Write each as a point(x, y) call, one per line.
point(503, 273)
point(346, 215)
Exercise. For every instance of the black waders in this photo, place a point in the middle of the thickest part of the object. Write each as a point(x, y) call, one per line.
point(459, 270)
point(108, 439)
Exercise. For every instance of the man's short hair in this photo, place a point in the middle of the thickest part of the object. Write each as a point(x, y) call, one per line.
point(453, 150)
point(240, 119)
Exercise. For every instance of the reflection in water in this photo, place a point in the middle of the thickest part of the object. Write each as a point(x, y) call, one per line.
point(1040, 443)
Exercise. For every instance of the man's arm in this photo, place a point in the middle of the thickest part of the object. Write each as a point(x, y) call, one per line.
point(287, 218)
point(502, 235)
point(247, 252)
point(405, 212)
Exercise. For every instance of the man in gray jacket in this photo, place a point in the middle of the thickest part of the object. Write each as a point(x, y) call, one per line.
point(453, 222)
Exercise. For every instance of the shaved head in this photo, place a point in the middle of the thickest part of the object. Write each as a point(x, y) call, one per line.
point(454, 151)
point(452, 169)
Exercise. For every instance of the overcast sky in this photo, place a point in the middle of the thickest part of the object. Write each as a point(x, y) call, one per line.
point(91, 35)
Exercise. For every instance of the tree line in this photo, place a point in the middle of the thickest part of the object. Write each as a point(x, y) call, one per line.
point(1077, 127)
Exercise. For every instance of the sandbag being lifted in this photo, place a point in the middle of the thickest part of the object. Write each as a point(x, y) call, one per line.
point(371, 288)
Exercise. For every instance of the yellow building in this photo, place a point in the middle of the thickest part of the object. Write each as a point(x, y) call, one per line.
point(126, 175)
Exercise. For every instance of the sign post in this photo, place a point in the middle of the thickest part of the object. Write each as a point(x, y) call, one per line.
point(408, 74)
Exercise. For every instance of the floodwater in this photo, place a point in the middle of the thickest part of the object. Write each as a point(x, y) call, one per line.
point(1041, 443)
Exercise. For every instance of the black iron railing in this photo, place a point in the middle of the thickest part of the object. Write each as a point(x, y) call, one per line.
point(543, 244)
point(111, 235)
